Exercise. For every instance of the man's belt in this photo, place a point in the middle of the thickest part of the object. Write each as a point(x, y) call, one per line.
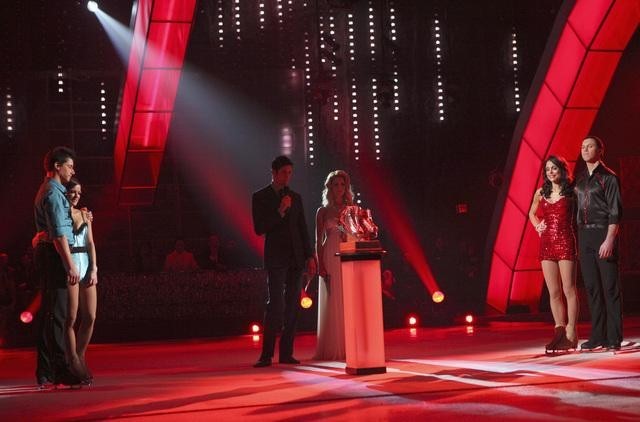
point(592, 226)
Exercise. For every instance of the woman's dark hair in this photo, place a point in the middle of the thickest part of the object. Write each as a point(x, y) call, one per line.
point(566, 182)
point(73, 182)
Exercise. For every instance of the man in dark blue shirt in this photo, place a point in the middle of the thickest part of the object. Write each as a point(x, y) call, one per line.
point(52, 255)
point(599, 213)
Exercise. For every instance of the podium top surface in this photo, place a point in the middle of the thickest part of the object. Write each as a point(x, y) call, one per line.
point(362, 255)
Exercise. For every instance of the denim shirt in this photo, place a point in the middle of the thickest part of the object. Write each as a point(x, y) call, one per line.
point(52, 211)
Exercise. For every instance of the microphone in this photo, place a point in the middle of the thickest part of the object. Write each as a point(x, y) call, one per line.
point(284, 192)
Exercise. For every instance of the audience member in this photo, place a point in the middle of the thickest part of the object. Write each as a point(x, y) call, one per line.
point(180, 259)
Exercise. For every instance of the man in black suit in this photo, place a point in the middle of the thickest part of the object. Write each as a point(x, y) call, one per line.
point(278, 214)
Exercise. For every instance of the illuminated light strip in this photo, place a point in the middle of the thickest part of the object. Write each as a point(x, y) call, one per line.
point(236, 17)
point(290, 28)
point(334, 70)
point(60, 80)
point(279, 12)
point(374, 83)
point(354, 119)
point(372, 32)
point(353, 92)
point(392, 35)
point(261, 13)
point(437, 46)
point(220, 21)
point(516, 68)
point(103, 111)
point(309, 105)
point(375, 116)
point(9, 112)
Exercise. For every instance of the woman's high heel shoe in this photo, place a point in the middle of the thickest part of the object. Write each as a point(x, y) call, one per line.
point(559, 334)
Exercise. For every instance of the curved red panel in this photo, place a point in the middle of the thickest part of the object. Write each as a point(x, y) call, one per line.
point(585, 46)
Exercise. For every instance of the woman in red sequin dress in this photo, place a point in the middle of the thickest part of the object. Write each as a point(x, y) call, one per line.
point(552, 215)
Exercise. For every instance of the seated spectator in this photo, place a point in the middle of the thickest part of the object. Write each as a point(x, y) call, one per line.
point(213, 260)
point(180, 259)
point(145, 260)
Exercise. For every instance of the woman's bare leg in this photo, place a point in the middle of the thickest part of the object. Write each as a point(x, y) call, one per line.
point(550, 270)
point(88, 305)
point(568, 276)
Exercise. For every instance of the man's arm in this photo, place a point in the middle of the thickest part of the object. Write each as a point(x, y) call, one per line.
point(62, 247)
point(614, 205)
point(56, 209)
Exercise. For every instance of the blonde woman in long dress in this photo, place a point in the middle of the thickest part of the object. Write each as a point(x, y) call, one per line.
point(336, 195)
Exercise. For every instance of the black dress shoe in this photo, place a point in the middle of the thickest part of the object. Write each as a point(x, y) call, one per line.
point(290, 359)
point(44, 380)
point(66, 377)
point(590, 345)
point(613, 346)
point(262, 362)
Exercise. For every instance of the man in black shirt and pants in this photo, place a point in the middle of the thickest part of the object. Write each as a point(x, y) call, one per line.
point(278, 214)
point(599, 213)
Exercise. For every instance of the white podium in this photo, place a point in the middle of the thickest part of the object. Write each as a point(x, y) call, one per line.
point(363, 322)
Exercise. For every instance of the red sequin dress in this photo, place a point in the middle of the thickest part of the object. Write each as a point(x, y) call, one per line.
point(558, 240)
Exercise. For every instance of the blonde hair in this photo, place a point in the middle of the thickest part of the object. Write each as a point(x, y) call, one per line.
point(348, 193)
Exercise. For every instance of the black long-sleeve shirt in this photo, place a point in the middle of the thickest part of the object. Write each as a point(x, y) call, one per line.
point(599, 200)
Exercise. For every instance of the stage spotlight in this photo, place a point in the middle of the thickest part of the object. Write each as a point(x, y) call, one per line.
point(437, 296)
point(412, 320)
point(305, 301)
point(92, 6)
point(469, 319)
point(255, 328)
point(26, 317)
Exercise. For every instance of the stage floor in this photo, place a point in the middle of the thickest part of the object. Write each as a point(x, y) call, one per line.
point(498, 370)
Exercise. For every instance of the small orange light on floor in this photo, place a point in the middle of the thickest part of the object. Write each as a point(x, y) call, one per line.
point(437, 296)
point(26, 317)
point(469, 319)
point(305, 300)
point(255, 338)
point(255, 328)
point(412, 321)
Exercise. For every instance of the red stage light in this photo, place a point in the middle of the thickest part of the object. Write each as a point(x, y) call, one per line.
point(412, 320)
point(469, 319)
point(26, 317)
point(462, 208)
point(255, 328)
point(437, 296)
